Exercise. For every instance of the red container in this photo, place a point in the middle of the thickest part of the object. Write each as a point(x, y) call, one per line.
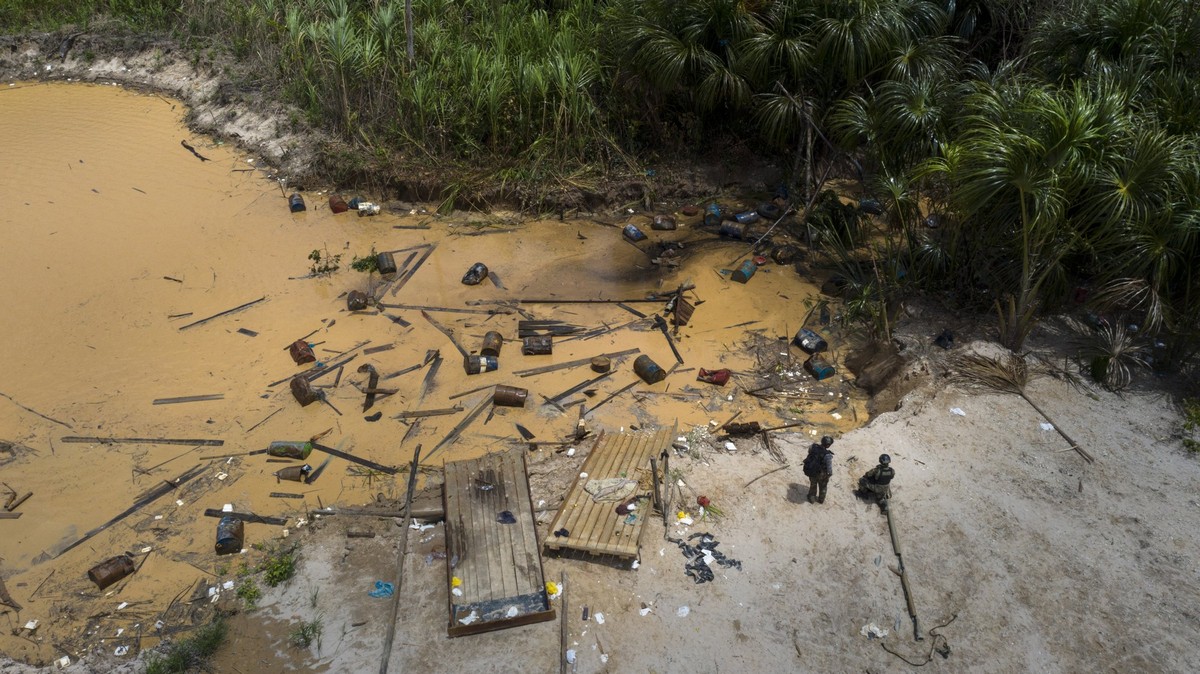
point(718, 377)
point(301, 352)
point(337, 204)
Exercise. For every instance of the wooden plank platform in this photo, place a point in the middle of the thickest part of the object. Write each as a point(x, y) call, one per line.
point(499, 564)
point(596, 527)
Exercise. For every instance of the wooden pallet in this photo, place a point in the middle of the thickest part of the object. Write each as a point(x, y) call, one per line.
point(499, 564)
point(596, 527)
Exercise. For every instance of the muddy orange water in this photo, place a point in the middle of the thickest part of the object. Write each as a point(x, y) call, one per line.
point(115, 237)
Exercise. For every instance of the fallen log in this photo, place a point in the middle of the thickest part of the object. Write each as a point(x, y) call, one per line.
point(82, 439)
point(572, 363)
point(223, 313)
point(246, 517)
point(354, 459)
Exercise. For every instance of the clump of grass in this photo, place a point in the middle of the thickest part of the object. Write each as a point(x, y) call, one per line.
point(280, 564)
point(1191, 424)
point(192, 653)
point(366, 264)
point(306, 633)
point(250, 593)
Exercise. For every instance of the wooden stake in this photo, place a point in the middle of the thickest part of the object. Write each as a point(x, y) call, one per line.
point(401, 552)
point(223, 313)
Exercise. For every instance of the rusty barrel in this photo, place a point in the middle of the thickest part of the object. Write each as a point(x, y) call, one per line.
point(478, 364)
point(648, 370)
point(663, 223)
point(294, 473)
point(538, 345)
point(303, 391)
point(510, 396)
point(601, 364)
point(111, 570)
point(290, 449)
point(385, 263)
point(356, 300)
point(301, 352)
point(734, 229)
point(296, 203)
point(231, 535)
point(492, 342)
point(337, 204)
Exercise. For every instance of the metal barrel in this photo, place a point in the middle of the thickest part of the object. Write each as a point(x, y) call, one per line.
point(648, 370)
point(744, 272)
point(713, 215)
point(290, 449)
point(601, 364)
point(492, 342)
point(784, 254)
point(510, 396)
point(303, 391)
point(294, 473)
point(810, 341)
point(747, 217)
point(301, 352)
point(478, 364)
point(111, 570)
point(541, 345)
point(296, 203)
point(356, 300)
point(734, 229)
point(385, 263)
point(337, 204)
point(663, 223)
point(476, 274)
point(819, 368)
point(231, 536)
point(634, 234)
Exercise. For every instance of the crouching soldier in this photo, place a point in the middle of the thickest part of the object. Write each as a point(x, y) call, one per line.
point(875, 484)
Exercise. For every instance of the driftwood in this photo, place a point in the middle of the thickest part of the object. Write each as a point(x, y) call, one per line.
point(87, 439)
point(401, 552)
point(33, 411)
point(146, 499)
point(407, 274)
point(613, 395)
point(447, 310)
point(246, 517)
point(189, 399)
point(572, 363)
point(416, 414)
point(202, 321)
point(465, 393)
point(462, 425)
point(428, 383)
point(6, 598)
point(577, 388)
point(445, 331)
point(354, 459)
point(662, 326)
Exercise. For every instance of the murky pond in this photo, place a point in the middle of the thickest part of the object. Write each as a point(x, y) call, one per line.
point(116, 238)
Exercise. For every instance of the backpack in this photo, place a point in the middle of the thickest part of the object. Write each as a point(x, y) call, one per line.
point(814, 462)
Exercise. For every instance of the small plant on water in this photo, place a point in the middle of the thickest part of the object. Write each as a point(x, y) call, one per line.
point(324, 263)
point(306, 633)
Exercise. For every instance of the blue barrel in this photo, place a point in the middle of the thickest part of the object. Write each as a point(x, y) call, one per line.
point(634, 234)
point(231, 533)
point(810, 341)
point(819, 368)
point(734, 229)
point(296, 203)
point(747, 217)
point(648, 370)
point(744, 272)
point(712, 216)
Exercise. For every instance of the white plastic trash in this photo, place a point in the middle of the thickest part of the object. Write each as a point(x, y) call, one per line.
point(958, 411)
point(683, 611)
point(599, 618)
point(1047, 427)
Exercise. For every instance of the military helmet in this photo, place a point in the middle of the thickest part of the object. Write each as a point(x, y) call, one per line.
point(885, 459)
point(826, 441)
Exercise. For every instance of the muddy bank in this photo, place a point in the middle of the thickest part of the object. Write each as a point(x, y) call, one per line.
point(130, 230)
point(230, 104)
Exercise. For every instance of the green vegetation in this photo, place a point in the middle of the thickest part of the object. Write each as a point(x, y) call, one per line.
point(1056, 144)
point(323, 262)
point(190, 654)
point(304, 634)
point(280, 563)
point(366, 264)
point(249, 592)
point(1191, 424)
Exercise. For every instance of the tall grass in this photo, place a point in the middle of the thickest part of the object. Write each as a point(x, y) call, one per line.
point(18, 15)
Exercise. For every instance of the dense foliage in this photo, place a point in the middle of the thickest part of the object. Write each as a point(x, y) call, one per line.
point(1055, 141)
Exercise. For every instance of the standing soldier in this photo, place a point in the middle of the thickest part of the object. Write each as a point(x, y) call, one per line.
point(818, 466)
point(875, 483)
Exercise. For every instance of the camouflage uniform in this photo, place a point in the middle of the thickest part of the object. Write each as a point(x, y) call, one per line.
point(818, 479)
point(877, 484)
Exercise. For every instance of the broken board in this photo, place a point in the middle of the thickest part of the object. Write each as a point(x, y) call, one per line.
point(594, 526)
point(499, 565)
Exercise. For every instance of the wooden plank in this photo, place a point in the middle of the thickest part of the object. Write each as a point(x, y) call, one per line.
point(587, 509)
point(571, 363)
point(598, 512)
point(553, 542)
point(518, 532)
point(609, 531)
point(526, 557)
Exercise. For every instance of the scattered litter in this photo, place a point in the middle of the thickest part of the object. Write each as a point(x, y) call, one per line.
point(873, 631)
point(683, 518)
point(63, 662)
point(599, 618)
point(635, 564)
point(121, 650)
point(120, 630)
point(470, 618)
point(159, 625)
point(417, 526)
point(122, 605)
point(382, 590)
point(33, 625)
point(227, 508)
point(571, 655)
point(227, 585)
point(146, 549)
point(645, 611)
point(604, 658)
point(835, 415)
point(1047, 427)
point(222, 476)
point(730, 447)
point(958, 411)
point(512, 612)
point(505, 517)
point(179, 502)
point(158, 517)
point(456, 582)
point(571, 451)
point(702, 556)
point(553, 591)
point(457, 592)
point(683, 611)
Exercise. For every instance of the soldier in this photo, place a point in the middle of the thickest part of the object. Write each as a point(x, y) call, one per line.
point(818, 466)
point(875, 483)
